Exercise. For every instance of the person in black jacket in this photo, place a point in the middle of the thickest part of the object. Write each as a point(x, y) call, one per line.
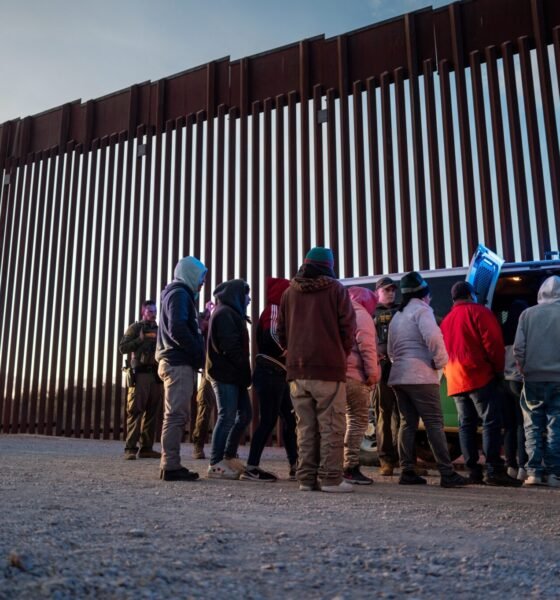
point(229, 370)
point(180, 353)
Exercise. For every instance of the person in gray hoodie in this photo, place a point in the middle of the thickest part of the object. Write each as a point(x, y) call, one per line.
point(536, 350)
point(180, 353)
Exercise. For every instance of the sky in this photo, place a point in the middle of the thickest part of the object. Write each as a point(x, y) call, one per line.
point(57, 51)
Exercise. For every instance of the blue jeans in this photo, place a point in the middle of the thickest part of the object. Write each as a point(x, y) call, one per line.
point(234, 414)
point(540, 402)
point(486, 404)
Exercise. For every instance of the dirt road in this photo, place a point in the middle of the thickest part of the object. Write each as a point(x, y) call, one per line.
point(80, 522)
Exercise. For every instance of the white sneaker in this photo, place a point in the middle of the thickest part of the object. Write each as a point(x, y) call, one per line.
point(306, 488)
point(234, 464)
point(222, 471)
point(553, 480)
point(342, 488)
point(521, 474)
point(533, 480)
point(512, 472)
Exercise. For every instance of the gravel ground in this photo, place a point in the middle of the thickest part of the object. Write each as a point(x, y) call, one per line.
point(80, 522)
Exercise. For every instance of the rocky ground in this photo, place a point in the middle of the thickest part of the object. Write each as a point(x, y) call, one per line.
point(80, 522)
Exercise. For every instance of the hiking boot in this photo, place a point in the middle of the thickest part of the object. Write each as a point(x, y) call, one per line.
point(181, 474)
point(130, 454)
point(292, 473)
point(420, 471)
point(256, 474)
point(198, 453)
point(502, 479)
point(409, 477)
point(386, 469)
point(235, 464)
point(342, 488)
point(454, 480)
point(221, 470)
point(148, 453)
point(475, 478)
point(355, 476)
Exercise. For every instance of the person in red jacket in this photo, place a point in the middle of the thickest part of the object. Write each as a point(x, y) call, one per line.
point(474, 342)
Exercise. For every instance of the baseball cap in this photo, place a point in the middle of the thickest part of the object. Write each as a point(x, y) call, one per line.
point(385, 282)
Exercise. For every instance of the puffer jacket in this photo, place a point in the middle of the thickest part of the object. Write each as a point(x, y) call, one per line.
point(538, 335)
point(362, 361)
point(474, 342)
point(227, 358)
point(415, 346)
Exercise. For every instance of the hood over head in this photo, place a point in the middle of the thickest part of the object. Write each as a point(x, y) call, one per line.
point(190, 271)
point(233, 294)
point(363, 296)
point(549, 290)
point(275, 287)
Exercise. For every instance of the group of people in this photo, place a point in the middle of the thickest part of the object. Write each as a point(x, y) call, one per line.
point(323, 352)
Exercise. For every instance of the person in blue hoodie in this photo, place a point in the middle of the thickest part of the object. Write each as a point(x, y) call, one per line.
point(180, 353)
point(228, 368)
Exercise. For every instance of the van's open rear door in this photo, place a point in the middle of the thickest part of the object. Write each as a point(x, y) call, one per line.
point(483, 274)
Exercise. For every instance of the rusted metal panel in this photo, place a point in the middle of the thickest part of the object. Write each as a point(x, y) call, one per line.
point(293, 229)
point(304, 91)
point(318, 167)
point(220, 193)
point(361, 231)
point(267, 188)
point(332, 192)
point(232, 143)
point(280, 188)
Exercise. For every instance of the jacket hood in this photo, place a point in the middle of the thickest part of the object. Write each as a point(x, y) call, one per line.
point(174, 285)
point(190, 271)
point(315, 284)
point(364, 297)
point(275, 287)
point(233, 294)
point(549, 290)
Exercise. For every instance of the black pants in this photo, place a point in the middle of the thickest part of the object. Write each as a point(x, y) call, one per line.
point(274, 400)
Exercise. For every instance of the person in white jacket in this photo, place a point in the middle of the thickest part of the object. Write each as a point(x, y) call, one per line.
point(362, 373)
point(536, 350)
point(418, 353)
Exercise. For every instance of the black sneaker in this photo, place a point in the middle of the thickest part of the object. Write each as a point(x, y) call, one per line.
point(148, 453)
point(502, 479)
point(181, 474)
point(476, 478)
point(454, 480)
point(410, 478)
point(292, 473)
point(256, 474)
point(355, 476)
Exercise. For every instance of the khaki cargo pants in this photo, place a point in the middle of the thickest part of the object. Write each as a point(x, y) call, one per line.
point(320, 408)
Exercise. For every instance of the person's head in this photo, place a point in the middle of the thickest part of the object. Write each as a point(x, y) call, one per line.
point(190, 271)
point(363, 296)
point(319, 261)
point(234, 293)
point(462, 291)
point(413, 285)
point(386, 290)
point(149, 310)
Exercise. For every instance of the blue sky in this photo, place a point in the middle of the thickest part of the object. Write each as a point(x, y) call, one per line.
point(56, 51)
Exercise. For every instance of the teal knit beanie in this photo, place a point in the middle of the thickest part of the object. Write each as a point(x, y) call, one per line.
point(320, 256)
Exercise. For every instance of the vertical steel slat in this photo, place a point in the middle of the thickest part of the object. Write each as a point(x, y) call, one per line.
point(157, 147)
point(539, 29)
point(121, 208)
point(105, 374)
point(516, 145)
point(318, 170)
point(178, 162)
point(267, 188)
point(294, 240)
point(280, 191)
point(7, 343)
point(57, 385)
point(450, 165)
point(145, 255)
point(534, 145)
point(402, 152)
point(185, 251)
point(433, 161)
point(389, 174)
point(332, 178)
point(97, 391)
point(85, 225)
point(209, 159)
point(198, 165)
point(342, 64)
point(362, 262)
point(417, 147)
point(304, 83)
point(556, 42)
point(232, 145)
point(243, 162)
point(464, 126)
point(220, 193)
point(484, 165)
point(375, 194)
point(27, 337)
point(45, 277)
point(167, 229)
point(499, 156)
